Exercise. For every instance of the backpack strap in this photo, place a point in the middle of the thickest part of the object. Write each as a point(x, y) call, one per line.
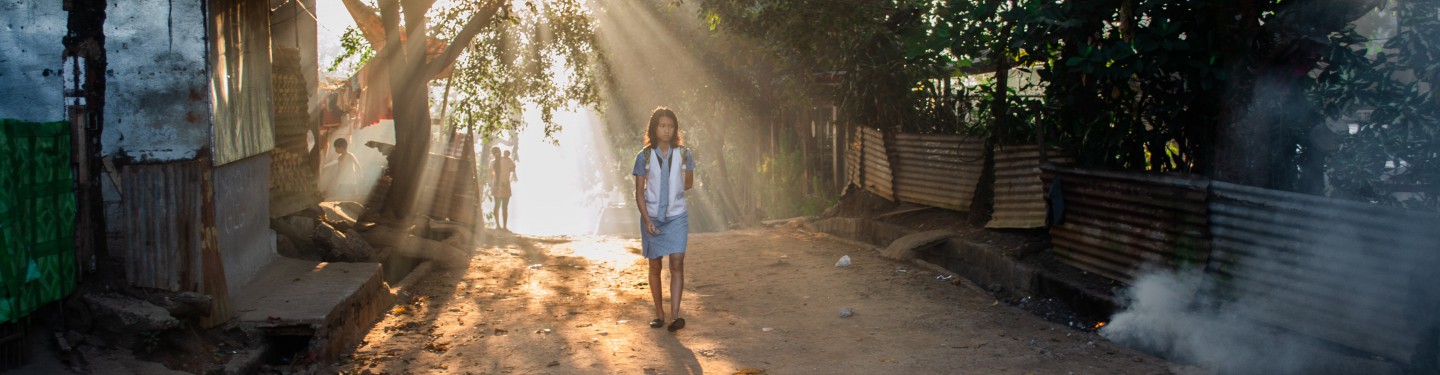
point(650, 153)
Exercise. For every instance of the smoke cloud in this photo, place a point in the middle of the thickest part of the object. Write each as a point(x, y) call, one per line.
point(1165, 318)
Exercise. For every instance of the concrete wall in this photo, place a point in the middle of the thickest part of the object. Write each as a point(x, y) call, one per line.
point(31, 83)
point(158, 110)
point(242, 216)
point(157, 102)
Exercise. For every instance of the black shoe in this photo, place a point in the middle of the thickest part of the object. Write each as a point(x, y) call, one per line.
point(657, 323)
point(677, 324)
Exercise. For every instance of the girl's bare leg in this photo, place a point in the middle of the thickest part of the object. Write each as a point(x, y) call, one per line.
point(677, 282)
point(655, 267)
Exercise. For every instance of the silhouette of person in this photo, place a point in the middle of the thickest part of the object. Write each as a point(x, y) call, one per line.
point(501, 172)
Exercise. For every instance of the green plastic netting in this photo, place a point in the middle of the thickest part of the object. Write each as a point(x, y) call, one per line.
point(37, 216)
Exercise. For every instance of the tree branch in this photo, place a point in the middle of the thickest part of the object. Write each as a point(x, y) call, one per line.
point(482, 19)
point(367, 19)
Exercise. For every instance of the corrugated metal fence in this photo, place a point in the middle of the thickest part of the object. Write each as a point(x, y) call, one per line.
point(1347, 272)
point(931, 169)
point(938, 170)
point(874, 164)
point(240, 80)
point(1350, 273)
point(1113, 223)
point(1019, 193)
point(161, 211)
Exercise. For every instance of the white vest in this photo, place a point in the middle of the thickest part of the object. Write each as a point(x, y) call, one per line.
point(677, 184)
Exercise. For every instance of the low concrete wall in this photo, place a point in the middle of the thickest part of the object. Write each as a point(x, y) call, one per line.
point(985, 266)
point(988, 267)
point(353, 318)
point(868, 231)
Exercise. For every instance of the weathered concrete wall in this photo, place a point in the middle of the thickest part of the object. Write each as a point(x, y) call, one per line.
point(31, 82)
point(157, 102)
point(242, 215)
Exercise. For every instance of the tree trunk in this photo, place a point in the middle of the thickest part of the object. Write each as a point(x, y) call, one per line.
point(1002, 129)
point(409, 75)
point(412, 145)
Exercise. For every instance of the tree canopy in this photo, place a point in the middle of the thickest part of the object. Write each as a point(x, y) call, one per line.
point(1241, 91)
point(493, 67)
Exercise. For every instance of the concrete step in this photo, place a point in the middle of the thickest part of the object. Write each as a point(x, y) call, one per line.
point(334, 303)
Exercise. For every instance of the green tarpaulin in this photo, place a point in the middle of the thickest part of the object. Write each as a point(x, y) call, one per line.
point(37, 216)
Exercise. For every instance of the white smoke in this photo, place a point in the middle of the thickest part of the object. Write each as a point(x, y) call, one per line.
point(1169, 314)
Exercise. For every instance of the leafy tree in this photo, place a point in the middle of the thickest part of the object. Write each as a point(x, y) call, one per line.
point(500, 65)
point(1396, 148)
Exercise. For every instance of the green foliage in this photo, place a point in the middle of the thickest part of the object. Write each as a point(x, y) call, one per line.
point(355, 51)
point(855, 53)
point(1396, 148)
point(1132, 84)
point(1131, 88)
point(542, 54)
point(781, 182)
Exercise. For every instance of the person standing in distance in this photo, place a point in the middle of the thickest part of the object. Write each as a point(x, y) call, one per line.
point(500, 171)
point(345, 175)
point(663, 171)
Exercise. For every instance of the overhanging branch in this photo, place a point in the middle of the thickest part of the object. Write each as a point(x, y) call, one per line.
point(482, 19)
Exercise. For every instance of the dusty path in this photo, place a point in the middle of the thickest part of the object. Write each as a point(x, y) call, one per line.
point(758, 301)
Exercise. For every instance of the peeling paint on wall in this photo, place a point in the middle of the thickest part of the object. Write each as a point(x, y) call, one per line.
point(157, 100)
point(31, 67)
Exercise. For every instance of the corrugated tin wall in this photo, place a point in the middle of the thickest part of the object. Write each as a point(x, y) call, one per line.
point(852, 162)
point(938, 170)
point(240, 81)
point(1348, 272)
point(161, 217)
point(1019, 196)
point(875, 170)
point(1115, 222)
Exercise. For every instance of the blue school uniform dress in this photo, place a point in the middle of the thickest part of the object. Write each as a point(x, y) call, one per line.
point(664, 199)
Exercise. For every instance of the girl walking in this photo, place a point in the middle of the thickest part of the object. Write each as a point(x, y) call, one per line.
point(664, 170)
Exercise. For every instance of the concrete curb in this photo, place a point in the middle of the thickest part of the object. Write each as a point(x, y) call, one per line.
point(986, 268)
point(413, 277)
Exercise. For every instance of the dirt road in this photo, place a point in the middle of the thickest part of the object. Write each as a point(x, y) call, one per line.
point(757, 301)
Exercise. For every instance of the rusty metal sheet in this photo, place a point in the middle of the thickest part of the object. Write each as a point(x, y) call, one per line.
point(240, 79)
point(939, 170)
point(1116, 222)
point(852, 164)
point(1351, 273)
point(161, 217)
point(1019, 194)
point(875, 166)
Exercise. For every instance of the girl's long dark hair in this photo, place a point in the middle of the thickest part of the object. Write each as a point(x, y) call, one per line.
point(650, 136)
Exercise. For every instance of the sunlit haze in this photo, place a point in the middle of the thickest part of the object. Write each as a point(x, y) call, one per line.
point(556, 192)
